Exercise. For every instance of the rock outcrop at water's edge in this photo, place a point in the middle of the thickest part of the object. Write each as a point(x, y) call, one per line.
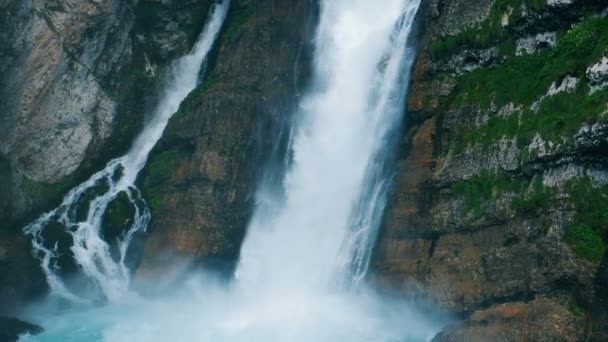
point(499, 212)
point(12, 328)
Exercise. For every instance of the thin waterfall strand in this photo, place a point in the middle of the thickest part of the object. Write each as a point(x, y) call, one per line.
point(91, 252)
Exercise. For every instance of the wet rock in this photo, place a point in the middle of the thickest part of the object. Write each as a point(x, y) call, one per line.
point(12, 328)
point(463, 227)
point(471, 59)
point(223, 132)
point(539, 320)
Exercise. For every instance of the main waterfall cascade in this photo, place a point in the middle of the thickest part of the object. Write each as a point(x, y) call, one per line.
point(336, 189)
point(308, 245)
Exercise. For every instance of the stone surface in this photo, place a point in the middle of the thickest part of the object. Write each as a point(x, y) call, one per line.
point(508, 274)
point(68, 70)
point(224, 131)
point(12, 328)
point(538, 320)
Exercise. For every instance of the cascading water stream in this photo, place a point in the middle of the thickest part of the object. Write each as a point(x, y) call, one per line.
point(336, 187)
point(309, 242)
point(91, 252)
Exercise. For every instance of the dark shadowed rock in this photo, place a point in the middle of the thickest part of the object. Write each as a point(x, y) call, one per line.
point(12, 328)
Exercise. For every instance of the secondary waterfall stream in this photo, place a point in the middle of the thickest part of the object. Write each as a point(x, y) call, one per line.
point(91, 252)
point(306, 253)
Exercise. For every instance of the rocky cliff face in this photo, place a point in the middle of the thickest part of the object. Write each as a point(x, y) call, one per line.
point(202, 178)
point(499, 212)
point(76, 79)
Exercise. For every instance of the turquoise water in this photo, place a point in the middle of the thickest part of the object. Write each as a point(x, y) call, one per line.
point(218, 313)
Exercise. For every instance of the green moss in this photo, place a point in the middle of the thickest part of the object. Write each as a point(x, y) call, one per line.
point(591, 203)
point(524, 79)
point(586, 235)
point(585, 241)
point(189, 103)
point(576, 310)
point(235, 22)
point(487, 186)
point(538, 198)
point(162, 165)
point(158, 174)
point(487, 33)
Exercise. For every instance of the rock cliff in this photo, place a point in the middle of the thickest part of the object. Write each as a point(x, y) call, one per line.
point(202, 178)
point(499, 212)
point(76, 79)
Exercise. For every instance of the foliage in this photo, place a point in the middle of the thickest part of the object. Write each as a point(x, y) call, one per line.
point(576, 310)
point(487, 186)
point(586, 236)
point(538, 198)
point(524, 79)
point(585, 242)
point(235, 22)
point(159, 172)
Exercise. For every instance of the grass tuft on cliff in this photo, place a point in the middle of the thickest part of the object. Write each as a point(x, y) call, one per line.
point(158, 174)
point(488, 33)
point(585, 242)
point(524, 80)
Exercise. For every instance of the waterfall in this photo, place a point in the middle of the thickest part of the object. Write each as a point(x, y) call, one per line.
point(335, 189)
point(309, 241)
point(92, 254)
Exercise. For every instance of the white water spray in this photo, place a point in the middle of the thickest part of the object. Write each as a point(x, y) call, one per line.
point(335, 189)
point(91, 252)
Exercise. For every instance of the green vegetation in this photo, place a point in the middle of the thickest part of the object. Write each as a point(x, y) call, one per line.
point(158, 174)
point(524, 79)
point(576, 310)
point(490, 31)
point(487, 186)
point(491, 186)
point(587, 235)
point(537, 198)
point(189, 103)
point(235, 22)
point(585, 241)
